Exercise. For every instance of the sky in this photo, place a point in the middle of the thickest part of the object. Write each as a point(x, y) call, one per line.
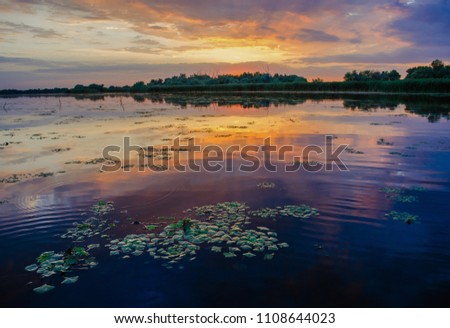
point(54, 43)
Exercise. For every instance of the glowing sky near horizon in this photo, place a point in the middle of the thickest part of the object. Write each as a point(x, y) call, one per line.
point(49, 43)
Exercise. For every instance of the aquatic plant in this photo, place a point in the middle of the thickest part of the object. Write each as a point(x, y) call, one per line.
point(221, 228)
point(265, 213)
point(398, 195)
point(418, 188)
point(353, 151)
point(266, 185)
point(396, 153)
point(131, 244)
point(405, 198)
point(224, 228)
point(403, 216)
point(88, 228)
point(102, 208)
point(298, 211)
point(70, 280)
point(59, 150)
point(11, 179)
point(50, 263)
point(383, 142)
point(43, 289)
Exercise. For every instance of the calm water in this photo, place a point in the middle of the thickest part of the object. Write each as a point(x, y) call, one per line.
point(352, 254)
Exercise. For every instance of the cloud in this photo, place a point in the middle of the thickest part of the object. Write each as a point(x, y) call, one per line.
point(38, 32)
point(424, 24)
point(318, 34)
point(399, 56)
point(24, 61)
point(310, 35)
point(147, 42)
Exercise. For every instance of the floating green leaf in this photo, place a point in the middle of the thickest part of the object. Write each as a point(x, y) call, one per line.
point(43, 289)
point(269, 256)
point(69, 280)
point(31, 268)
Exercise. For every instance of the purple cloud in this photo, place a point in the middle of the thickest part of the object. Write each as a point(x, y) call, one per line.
point(310, 35)
point(425, 24)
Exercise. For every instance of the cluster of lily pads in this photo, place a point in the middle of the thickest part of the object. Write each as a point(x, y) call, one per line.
point(225, 228)
point(398, 195)
point(18, 177)
point(403, 216)
point(50, 263)
point(295, 211)
point(102, 208)
point(88, 228)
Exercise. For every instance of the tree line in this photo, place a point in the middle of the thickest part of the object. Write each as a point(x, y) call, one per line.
point(433, 78)
point(436, 70)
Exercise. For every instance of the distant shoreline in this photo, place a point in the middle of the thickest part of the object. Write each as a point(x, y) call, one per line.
point(409, 86)
point(257, 92)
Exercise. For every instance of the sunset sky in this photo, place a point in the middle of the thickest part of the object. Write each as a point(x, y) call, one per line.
point(50, 43)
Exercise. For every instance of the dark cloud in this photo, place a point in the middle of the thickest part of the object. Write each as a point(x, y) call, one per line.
point(400, 56)
point(25, 61)
point(310, 35)
point(147, 42)
point(38, 32)
point(424, 24)
point(142, 49)
point(238, 10)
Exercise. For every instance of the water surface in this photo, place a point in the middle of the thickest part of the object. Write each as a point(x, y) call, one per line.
point(352, 254)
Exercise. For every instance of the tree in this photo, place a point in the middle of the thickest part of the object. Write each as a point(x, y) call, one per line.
point(437, 64)
point(139, 87)
point(394, 75)
point(369, 75)
point(436, 70)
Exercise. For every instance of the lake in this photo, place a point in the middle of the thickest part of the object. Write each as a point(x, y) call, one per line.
point(225, 225)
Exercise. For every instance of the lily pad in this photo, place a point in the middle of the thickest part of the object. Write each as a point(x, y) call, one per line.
point(216, 249)
point(31, 268)
point(92, 246)
point(269, 257)
point(43, 289)
point(70, 280)
point(229, 255)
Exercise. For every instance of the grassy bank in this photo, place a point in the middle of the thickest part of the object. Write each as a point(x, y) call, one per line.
point(402, 86)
